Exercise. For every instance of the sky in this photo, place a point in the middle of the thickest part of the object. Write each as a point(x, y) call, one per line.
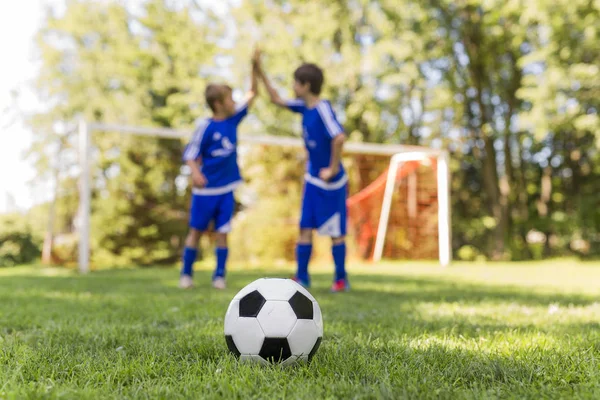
point(19, 20)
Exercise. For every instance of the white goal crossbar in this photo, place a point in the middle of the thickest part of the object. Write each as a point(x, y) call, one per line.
point(398, 154)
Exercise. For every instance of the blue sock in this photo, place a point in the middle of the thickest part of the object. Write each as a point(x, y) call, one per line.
point(339, 257)
point(221, 253)
point(303, 252)
point(189, 256)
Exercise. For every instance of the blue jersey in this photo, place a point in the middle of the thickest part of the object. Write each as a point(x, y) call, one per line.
point(319, 127)
point(214, 143)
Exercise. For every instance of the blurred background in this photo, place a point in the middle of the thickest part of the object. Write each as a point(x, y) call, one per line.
point(510, 88)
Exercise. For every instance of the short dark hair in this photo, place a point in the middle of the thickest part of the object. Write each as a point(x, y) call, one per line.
point(312, 74)
point(215, 92)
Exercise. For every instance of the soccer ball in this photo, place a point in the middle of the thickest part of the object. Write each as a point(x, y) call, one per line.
point(274, 321)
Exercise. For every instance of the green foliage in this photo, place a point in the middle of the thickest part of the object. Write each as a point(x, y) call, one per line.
point(147, 67)
point(473, 77)
point(260, 236)
point(19, 243)
point(468, 253)
point(266, 228)
point(512, 91)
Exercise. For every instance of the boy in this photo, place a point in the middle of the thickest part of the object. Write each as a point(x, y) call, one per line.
point(325, 187)
point(212, 157)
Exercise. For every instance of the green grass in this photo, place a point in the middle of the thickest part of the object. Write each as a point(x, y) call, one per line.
point(405, 331)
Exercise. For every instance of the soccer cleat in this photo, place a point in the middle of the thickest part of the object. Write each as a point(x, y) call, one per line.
point(219, 283)
point(302, 283)
point(186, 282)
point(341, 285)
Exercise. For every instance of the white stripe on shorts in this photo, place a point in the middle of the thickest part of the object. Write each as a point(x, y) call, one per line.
point(326, 185)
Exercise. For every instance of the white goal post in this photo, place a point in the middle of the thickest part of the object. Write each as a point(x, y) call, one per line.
point(398, 154)
point(443, 189)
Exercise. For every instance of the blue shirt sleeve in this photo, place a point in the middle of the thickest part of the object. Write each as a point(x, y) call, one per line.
point(194, 148)
point(240, 112)
point(297, 105)
point(332, 125)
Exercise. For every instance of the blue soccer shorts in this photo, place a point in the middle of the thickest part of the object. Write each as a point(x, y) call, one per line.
point(212, 208)
point(324, 210)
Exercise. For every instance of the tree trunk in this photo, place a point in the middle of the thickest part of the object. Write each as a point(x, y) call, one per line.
point(49, 236)
point(473, 40)
point(496, 202)
point(507, 181)
point(544, 207)
point(522, 202)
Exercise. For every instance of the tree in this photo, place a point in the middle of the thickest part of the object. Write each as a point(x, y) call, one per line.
point(510, 88)
point(148, 67)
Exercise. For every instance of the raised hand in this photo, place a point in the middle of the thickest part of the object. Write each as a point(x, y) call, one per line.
point(256, 62)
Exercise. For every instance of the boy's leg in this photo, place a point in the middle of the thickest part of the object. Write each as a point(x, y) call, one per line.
point(303, 253)
point(201, 211)
point(223, 227)
point(221, 254)
point(331, 219)
point(190, 252)
point(338, 251)
point(304, 244)
point(339, 244)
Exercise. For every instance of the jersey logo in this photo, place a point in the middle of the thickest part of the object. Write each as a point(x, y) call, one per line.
point(226, 143)
point(227, 148)
point(216, 136)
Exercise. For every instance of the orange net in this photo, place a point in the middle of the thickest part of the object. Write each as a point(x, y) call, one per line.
point(412, 227)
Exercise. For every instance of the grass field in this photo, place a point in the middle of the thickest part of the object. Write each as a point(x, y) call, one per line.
point(405, 331)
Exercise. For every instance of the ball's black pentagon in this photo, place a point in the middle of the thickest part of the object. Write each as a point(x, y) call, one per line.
point(251, 304)
point(275, 350)
point(231, 345)
point(314, 349)
point(302, 306)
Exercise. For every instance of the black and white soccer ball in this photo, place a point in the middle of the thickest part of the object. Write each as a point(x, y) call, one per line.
point(274, 320)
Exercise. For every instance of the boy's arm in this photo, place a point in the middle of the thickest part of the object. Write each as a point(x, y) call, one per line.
point(275, 98)
point(192, 155)
point(251, 95)
point(198, 178)
point(337, 144)
point(296, 106)
point(241, 109)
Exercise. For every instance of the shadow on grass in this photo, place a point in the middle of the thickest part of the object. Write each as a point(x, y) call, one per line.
point(365, 288)
point(147, 296)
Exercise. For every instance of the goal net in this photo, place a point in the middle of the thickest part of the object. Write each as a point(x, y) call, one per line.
point(398, 200)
